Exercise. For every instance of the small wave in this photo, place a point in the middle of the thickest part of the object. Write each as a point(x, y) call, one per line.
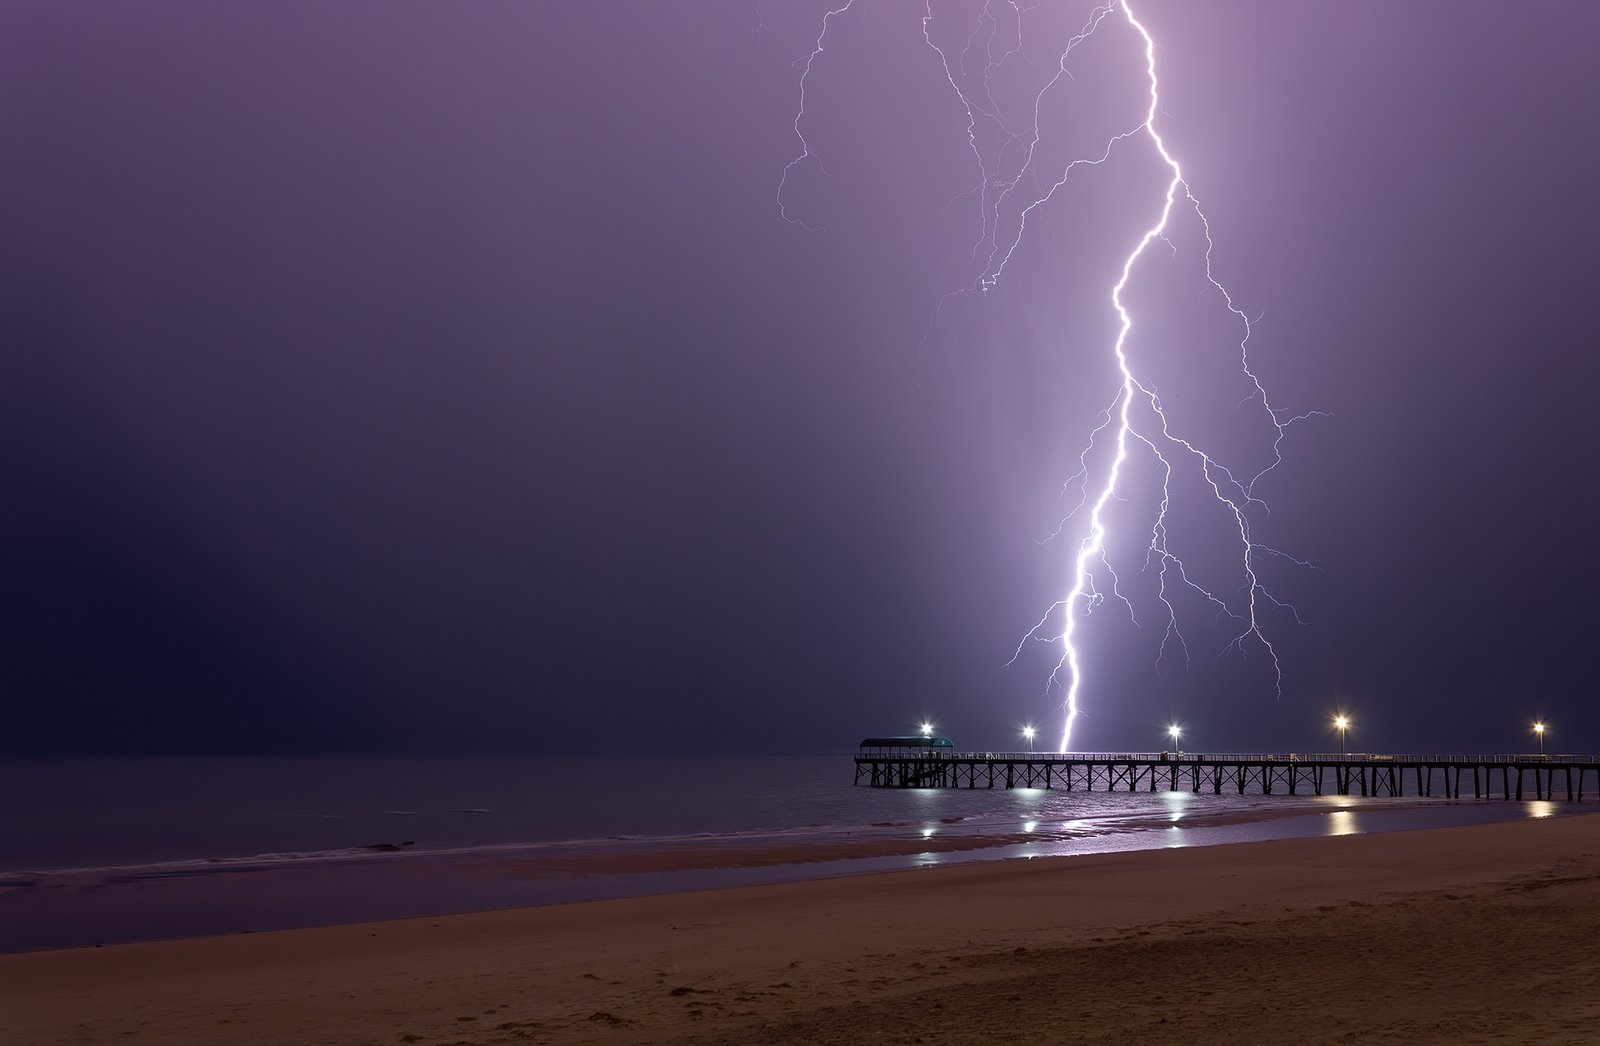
point(277, 857)
point(399, 813)
point(379, 849)
point(471, 810)
point(48, 877)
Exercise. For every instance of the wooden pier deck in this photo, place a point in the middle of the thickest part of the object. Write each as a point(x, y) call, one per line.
point(1257, 773)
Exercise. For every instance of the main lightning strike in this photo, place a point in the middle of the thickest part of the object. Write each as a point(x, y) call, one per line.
point(1231, 494)
point(1023, 188)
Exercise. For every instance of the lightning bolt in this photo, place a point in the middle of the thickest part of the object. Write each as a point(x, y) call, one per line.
point(806, 152)
point(1010, 190)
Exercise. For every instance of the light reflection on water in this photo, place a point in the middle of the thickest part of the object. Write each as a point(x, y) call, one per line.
point(1342, 822)
point(1123, 822)
point(1070, 822)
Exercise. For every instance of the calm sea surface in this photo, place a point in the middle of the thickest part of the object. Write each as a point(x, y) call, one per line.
point(99, 850)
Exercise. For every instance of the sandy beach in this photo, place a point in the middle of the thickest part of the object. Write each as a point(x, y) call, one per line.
point(1476, 934)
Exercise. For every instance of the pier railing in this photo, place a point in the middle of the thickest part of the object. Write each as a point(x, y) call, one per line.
point(1239, 757)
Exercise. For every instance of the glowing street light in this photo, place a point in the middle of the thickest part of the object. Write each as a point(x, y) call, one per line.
point(1027, 732)
point(927, 729)
point(1538, 728)
point(1343, 723)
point(1175, 731)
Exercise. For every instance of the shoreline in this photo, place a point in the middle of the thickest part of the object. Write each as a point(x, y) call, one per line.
point(190, 899)
point(1031, 944)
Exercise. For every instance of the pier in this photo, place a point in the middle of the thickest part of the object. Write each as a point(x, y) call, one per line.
point(1447, 776)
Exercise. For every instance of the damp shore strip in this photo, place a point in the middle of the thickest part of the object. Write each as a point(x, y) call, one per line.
point(1467, 934)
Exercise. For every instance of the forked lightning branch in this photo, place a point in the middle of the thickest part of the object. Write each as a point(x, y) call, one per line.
point(1136, 423)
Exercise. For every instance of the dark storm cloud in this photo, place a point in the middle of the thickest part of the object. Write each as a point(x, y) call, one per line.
point(426, 376)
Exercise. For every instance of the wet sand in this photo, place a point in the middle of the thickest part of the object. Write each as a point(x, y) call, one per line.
point(1478, 934)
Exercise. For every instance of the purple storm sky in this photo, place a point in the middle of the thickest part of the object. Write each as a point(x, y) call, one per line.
point(419, 376)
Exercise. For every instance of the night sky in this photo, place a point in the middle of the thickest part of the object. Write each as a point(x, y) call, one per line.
point(439, 377)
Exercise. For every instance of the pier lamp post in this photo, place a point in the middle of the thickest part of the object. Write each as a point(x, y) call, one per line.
point(1538, 728)
point(1175, 731)
point(927, 729)
point(1343, 723)
point(1027, 732)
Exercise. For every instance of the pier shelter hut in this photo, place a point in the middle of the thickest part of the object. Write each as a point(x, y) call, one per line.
point(908, 746)
point(906, 762)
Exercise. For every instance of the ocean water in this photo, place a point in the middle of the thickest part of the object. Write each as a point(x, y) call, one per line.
point(102, 850)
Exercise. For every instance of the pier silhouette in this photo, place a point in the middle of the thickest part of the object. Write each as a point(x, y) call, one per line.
point(1259, 773)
